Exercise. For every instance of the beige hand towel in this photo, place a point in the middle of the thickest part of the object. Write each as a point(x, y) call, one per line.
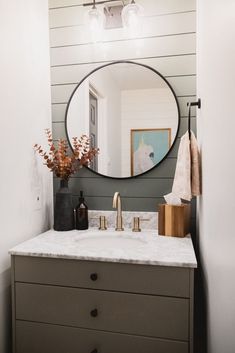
point(187, 174)
point(195, 167)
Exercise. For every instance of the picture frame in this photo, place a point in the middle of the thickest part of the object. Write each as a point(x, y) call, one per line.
point(148, 148)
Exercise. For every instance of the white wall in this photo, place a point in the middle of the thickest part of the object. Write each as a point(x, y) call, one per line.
point(25, 112)
point(216, 131)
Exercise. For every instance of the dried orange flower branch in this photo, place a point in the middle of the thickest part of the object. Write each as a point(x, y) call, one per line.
point(60, 162)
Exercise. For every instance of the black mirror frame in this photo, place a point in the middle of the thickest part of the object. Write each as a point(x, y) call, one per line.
point(124, 62)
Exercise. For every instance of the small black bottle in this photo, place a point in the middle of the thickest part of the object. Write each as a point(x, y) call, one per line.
point(81, 214)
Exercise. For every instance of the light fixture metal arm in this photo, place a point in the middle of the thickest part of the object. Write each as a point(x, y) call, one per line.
point(94, 2)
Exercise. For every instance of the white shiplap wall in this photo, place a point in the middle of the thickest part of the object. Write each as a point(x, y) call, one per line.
point(167, 43)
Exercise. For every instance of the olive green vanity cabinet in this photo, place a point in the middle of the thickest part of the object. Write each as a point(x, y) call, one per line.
point(80, 306)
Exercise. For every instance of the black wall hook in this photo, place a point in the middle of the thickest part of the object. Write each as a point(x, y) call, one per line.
point(198, 103)
point(192, 104)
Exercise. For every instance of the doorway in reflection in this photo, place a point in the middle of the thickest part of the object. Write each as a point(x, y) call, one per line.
point(93, 127)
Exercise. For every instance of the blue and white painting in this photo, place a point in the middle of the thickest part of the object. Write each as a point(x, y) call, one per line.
point(148, 148)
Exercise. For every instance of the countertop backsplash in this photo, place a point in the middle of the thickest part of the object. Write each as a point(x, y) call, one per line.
point(149, 219)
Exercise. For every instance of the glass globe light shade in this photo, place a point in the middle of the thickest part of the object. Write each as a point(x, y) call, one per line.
point(132, 16)
point(95, 20)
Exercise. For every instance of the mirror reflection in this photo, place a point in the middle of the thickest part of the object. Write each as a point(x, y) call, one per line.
point(130, 112)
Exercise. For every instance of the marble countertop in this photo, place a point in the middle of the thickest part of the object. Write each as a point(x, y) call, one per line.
point(146, 247)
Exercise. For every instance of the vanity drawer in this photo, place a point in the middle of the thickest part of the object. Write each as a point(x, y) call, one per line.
point(43, 338)
point(134, 278)
point(137, 314)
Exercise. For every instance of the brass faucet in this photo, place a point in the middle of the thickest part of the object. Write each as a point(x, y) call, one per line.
point(118, 205)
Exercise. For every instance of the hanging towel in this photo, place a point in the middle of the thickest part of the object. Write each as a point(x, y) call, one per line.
point(187, 174)
point(195, 167)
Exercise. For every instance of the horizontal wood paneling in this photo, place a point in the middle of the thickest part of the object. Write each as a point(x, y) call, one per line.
point(138, 187)
point(169, 66)
point(58, 112)
point(143, 204)
point(182, 85)
point(173, 153)
point(167, 45)
point(147, 204)
point(58, 109)
point(167, 168)
point(123, 50)
point(58, 128)
point(151, 27)
point(150, 6)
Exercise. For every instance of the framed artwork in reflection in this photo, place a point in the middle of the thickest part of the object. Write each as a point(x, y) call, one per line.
point(148, 148)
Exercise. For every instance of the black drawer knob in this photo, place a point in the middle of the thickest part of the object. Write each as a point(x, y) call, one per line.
point(94, 276)
point(94, 312)
point(94, 351)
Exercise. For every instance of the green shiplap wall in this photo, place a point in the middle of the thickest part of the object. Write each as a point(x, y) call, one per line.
point(167, 43)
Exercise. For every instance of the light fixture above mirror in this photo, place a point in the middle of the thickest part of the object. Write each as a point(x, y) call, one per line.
point(122, 13)
point(94, 18)
point(131, 17)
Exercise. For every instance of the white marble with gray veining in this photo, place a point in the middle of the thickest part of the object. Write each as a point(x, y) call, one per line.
point(146, 247)
point(148, 220)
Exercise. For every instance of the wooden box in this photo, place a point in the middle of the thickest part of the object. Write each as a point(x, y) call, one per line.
point(174, 220)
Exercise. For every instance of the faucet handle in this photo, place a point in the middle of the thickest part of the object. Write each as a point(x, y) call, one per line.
point(103, 223)
point(136, 223)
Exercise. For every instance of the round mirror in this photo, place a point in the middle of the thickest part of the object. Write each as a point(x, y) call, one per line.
point(130, 112)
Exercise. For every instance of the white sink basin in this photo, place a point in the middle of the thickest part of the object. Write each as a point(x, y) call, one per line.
point(109, 240)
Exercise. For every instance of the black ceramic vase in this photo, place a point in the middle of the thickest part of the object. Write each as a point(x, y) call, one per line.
point(63, 211)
